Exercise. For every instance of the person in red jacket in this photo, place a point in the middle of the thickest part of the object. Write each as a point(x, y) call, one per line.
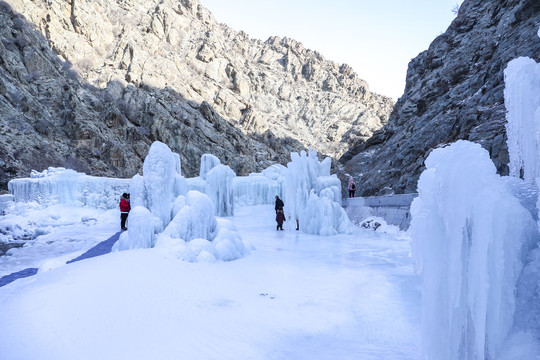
point(280, 218)
point(125, 207)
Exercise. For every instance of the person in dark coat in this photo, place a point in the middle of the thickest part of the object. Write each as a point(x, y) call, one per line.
point(280, 218)
point(279, 204)
point(125, 207)
point(351, 187)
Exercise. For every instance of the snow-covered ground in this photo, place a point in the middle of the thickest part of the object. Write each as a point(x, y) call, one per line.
point(296, 296)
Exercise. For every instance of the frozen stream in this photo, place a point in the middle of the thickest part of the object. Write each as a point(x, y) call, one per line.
point(297, 296)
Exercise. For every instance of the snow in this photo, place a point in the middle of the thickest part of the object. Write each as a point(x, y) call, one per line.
point(51, 232)
point(297, 296)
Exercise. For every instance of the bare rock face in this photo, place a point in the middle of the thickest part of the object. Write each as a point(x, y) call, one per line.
point(454, 91)
point(90, 84)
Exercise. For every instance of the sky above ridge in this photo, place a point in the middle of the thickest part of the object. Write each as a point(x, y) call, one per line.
point(376, 38)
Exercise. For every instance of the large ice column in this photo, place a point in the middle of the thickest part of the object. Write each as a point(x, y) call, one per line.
point(313, 196)
point(208, 162)
point(160, 181)
point(522, 101)
point(219, 187)
point(468, 234)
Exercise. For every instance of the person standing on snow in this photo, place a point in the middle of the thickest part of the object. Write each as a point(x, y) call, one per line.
point(279, 204)
point(125, 207)
point(351, 187)
point(280, 218)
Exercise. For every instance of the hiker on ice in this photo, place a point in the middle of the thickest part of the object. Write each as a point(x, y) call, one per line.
point(125, 207)
point(351, 187)
point(279, 204)
point(280, 218)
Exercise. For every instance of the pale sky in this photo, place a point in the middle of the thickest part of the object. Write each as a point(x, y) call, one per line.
point(377, 38)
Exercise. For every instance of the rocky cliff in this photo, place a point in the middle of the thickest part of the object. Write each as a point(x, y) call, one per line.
point(454, 90)
point(90, 84)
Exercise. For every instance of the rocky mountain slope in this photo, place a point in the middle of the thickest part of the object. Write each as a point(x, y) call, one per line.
point(90, 84)
point(454, 90)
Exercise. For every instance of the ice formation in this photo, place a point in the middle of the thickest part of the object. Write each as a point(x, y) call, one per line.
point(178, 215)
point(161, 179)
point(219, 186)
point(196, 235)
point(195, 219)
point(66, 186)
point(313, 196)
point(469, 234)
point(141, 230)
point(476, 238)
point(256, 189)
point(522, 101)
point(179, 222)
point(208, 162)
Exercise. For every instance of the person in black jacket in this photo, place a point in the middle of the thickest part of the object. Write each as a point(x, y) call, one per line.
point(279, 204)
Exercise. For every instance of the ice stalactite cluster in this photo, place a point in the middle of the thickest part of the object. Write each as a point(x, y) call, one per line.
point(256, 189)
point(469, 233)
point(228, 190)
point(260, 188)
point(65, 186)
point(522, 101)
point(179, 222)
point(178, 215)
point(476, 240)
point(216, 181)
point(313, 196)
point(219, 187)
point(208, 162)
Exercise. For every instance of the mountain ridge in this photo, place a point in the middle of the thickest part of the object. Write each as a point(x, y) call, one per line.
point(167, 71)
